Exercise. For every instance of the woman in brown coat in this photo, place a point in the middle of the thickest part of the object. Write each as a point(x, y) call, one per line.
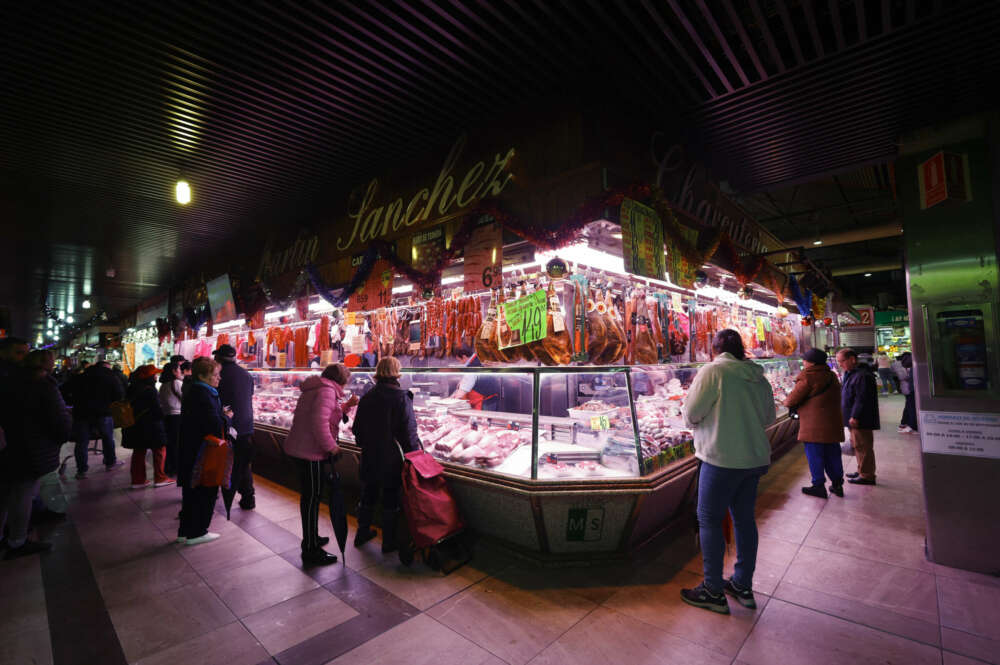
point(816, 396)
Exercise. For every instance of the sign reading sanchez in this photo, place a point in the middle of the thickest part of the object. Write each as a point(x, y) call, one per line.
point(450, 193)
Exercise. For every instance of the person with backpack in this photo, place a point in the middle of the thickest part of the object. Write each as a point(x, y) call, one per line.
point(147, 433)
point(35, 422)
point(171, 393)
point(384, 424)
point(93, 393)
point(816, 400)
point(311, 441)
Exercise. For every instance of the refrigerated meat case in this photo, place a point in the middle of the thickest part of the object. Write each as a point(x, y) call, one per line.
point(559, 463)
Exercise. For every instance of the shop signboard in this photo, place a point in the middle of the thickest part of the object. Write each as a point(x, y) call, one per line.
point(968, 434)
point(584, 524)
point(524, 320)
point(220, 299)
point(152, 313)
point(427, 248)
point(377, 289)
point(642, 240)
point(865, 319)
point(899, 317)
point(483, 256)
point(682, 271)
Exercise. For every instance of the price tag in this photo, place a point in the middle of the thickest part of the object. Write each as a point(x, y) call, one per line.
point(676, 302)
point(599, 423)
point(349, 318)
point(527, 319)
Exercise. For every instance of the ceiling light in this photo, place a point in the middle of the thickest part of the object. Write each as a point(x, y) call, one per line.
point(183, 192)
point(868, 274)
point(817, 241)
point(85, 304)
point(69, 319)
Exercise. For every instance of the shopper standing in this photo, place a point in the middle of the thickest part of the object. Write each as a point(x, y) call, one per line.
point(859, 404)
point(236, 392)
point(383, 425)
point(729, 405)
point(885, 374)
point(170, 402)
point(908, 421)
point(816, 398)
point(93, 392)
point(313, 440)
point(202, 415)
point(35, 422)
point(148, 433)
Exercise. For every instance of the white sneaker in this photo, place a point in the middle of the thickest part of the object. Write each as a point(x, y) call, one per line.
point(903, 429)
point(164, 483)
point(207, 538)
point(139, 486)
point(181, 540)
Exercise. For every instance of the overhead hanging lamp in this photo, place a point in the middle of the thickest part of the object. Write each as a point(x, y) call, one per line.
point(182, 192)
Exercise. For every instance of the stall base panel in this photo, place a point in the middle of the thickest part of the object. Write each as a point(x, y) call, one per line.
point(503, 516)
point(593, 523)
point(662, 506)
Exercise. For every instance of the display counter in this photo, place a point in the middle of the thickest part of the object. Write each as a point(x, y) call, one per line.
point(558, 463)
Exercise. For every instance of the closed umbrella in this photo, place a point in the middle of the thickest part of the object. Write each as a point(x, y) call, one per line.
point(228, 494)
point(338, 512)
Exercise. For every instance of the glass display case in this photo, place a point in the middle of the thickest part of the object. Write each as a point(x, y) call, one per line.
point(539, 423)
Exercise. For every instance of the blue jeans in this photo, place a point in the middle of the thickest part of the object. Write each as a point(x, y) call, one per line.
point(81, 435)
point(825, 457)
point(735, 490)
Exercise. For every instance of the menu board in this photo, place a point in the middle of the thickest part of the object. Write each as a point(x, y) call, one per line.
point(376, 291)
point(642, 240)
point(681, 270)
point(427, 248)
point(526, 319)
point(483, 256)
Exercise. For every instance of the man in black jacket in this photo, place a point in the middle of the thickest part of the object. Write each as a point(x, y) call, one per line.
point(236, 392)
point(859, 403)
point(92, 394)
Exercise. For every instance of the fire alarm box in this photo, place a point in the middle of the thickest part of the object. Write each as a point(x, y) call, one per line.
point(944, 177)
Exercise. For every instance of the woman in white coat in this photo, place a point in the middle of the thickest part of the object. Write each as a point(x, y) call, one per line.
point(729, 405)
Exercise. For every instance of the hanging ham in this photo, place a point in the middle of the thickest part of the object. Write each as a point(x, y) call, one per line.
point(556, 348)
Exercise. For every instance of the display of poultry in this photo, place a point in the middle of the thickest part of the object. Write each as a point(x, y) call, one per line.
point(556, 348)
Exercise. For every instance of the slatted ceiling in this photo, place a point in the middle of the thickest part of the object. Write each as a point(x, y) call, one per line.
point(273, 110)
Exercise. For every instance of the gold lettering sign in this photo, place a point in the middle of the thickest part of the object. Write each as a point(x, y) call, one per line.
point(448, 194)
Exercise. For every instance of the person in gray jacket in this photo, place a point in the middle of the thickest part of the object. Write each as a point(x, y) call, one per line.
point(729, 405)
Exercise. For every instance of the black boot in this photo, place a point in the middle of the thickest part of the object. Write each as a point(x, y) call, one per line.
point(815, 490)
point(389, 520)
point(318, 557)
point(365, 531)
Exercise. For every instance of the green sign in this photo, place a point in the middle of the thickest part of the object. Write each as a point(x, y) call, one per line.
point(892, 318)
point(584, 524)
point(526, 319)
point(642, 240)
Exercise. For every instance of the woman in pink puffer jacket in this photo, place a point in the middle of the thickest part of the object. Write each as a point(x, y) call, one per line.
point(313, 439)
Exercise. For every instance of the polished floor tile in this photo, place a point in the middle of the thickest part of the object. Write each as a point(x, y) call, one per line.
point(606, 636)
point(146, 576)
point(660, 605)
point(955, 659)
point(419, 641)
point(873, 538)
point(968, 644)
point(510, 622)
point(297, 619)
point(233, 548)
point(773, 557)
point(24, 624)
point(148, 625)
point(229, 645)
point(970, 607)
point(256, 586)
point(790, 634)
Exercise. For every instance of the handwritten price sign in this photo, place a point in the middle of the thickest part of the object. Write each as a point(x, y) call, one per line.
point(527, 318)
point(600, 423)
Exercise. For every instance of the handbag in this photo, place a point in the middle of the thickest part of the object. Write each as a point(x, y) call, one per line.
point(213, 467)
point(847, 448)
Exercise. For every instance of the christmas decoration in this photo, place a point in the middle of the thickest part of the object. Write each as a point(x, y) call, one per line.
point(700, 278)
point(828, 321)
point(781, 312)
point(556, 268)
point(746, 292)
point(803, 301)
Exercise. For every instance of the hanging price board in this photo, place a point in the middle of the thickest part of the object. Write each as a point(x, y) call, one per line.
point(483, 256)
point(377, 291)
point(527, 319)
point(600, 423)
point(642, 240)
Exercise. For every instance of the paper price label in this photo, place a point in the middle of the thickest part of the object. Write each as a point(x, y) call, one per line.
point(526, 318)
point(599, 423)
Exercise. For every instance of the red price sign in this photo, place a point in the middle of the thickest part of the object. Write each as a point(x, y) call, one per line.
point(377, 291)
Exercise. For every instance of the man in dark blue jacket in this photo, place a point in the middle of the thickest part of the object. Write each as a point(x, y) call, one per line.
point(92, 394)
point(236, 392)
point(859, 403)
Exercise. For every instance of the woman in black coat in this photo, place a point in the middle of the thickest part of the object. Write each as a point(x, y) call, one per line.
point(149, 431)
point(201, 415)
point(383, 420)
point(36, 423)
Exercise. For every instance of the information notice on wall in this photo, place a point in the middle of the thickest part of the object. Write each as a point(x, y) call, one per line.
point(971, 434)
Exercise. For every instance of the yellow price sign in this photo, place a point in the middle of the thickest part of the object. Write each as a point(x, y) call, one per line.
point(599, 423)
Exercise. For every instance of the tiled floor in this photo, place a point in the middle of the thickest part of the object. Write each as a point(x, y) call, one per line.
point(837, 581)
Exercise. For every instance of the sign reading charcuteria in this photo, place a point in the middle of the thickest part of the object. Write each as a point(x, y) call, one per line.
point(450, 193)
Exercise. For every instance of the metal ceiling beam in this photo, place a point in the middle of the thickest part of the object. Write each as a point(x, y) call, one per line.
point(793, 37)
point(765, 31)
point(748, 46)
point(832, 239)
point(669, 34)
point(867, 267)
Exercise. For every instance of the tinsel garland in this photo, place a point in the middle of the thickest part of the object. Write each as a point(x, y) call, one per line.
point(673, 230)
point(745, 270)
point(196, 317)
point(803, 301)
point(770, 281)
point(53, 313)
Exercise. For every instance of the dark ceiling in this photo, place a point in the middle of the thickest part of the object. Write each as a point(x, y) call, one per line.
point(271, 109)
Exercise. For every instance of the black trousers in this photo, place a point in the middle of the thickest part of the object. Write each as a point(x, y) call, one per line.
point(311, 482)
point(390, 497)
point(197, 508)
point(173, 427)
point(243, 454)
point(910, 411)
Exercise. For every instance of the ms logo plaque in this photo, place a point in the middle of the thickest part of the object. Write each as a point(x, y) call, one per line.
point(584, 524)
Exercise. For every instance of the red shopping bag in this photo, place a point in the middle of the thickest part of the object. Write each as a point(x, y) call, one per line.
point(431, 511)
point(213, 467)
